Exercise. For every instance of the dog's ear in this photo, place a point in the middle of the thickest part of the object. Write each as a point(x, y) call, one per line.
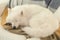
point(22, 13)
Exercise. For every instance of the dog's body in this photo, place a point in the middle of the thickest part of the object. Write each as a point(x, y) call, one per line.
point(20, 15)
point(42, 25)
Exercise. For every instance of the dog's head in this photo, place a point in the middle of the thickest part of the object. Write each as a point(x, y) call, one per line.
point(11, 21)
point(16, 18)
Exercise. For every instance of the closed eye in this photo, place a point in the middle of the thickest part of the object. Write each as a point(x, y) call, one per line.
point(8, 24)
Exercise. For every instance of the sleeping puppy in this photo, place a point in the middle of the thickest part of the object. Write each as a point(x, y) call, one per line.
point(20, 15)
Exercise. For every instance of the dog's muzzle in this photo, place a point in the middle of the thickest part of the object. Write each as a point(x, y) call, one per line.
point(14, 27)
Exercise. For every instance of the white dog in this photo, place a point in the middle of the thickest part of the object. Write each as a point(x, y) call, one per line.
point(20, 15)
point(42, 25)
point(40, 20)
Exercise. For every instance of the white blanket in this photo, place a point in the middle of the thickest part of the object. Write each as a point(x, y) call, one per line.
point(3, 4)
point(5, 35)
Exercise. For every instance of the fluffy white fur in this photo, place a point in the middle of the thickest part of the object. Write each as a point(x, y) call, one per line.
point(57, 14)
point(5, 35)
point(20, 15)
point(42, 25)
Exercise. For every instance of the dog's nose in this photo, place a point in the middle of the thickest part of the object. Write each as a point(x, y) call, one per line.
point(14, 27)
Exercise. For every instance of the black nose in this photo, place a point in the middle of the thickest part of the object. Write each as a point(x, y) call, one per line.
point(14, 27)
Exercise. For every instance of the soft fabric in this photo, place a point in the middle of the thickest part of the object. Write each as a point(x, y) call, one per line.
point(33, 39)
point(3, 4)
point(5, 35)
